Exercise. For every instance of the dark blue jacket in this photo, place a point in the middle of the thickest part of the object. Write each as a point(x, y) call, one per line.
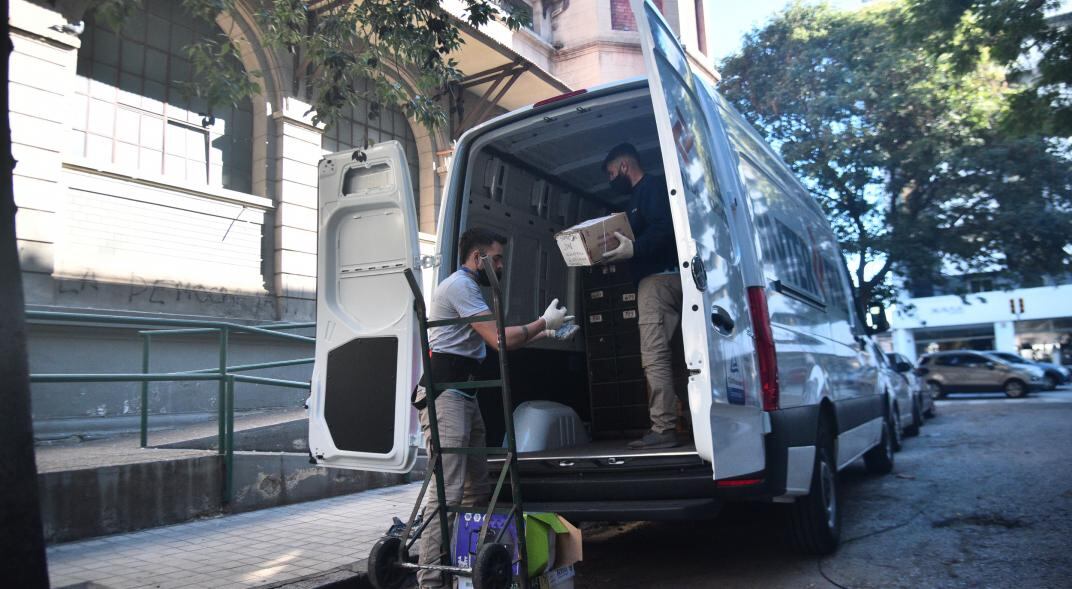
point(654, 249)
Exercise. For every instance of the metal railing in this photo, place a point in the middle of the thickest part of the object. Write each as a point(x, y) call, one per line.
point(225, 375)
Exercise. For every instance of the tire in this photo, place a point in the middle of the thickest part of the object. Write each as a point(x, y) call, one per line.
point(879, 460)
point(937, 392)
point(1049, 383)
point(383, 569)
point(898, 438)
point(917, 420)
point(492, 567)
point(1015, 388)
point(815, 519)
point(932, 412)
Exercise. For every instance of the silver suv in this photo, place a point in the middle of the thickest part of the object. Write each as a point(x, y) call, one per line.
point(946, 372)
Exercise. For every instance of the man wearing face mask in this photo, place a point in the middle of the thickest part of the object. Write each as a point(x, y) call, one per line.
point(458, 354)
point(653, 260)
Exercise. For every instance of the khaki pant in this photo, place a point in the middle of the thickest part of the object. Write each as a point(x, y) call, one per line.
point(659, 299)
point(465, 478)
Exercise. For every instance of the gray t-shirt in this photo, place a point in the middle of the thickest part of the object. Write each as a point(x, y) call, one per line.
point(457, 296)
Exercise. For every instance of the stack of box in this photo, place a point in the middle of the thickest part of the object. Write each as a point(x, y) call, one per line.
point(617, 387)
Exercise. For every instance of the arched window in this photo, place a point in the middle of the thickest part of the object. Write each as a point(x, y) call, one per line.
point(357, 129)
point(130, 110)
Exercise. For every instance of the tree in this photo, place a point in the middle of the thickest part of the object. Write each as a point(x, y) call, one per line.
point(1017, 34)
point(337, 44)
point(902, 147)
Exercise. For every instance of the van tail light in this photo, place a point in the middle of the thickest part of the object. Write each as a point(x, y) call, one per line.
point(764, 340)
point(560, 97)
point(747, 482)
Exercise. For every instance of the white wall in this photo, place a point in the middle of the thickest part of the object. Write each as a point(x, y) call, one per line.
point(985, 308)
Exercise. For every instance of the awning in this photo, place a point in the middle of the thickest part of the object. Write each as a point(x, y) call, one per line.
point(500, 76)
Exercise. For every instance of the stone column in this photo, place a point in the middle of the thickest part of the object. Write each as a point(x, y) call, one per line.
point(1005, 337)
point(904, 343)
point(42, 74)
point(298, 150)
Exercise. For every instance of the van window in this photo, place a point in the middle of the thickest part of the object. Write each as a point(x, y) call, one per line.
point(791, 254)
point(837, 300)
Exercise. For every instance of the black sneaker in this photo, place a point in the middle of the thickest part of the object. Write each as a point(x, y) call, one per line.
point(656, 440)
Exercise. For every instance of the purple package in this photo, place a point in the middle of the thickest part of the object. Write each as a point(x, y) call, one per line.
point(467, 535)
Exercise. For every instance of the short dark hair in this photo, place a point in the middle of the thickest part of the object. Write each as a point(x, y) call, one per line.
point(476, 238)
point(621, 150)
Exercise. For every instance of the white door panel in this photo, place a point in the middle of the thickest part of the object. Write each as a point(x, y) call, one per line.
point(727, 429)
point(367, 350)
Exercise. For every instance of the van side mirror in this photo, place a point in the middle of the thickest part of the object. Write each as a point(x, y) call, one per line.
point(877, 321)
point(903, 367)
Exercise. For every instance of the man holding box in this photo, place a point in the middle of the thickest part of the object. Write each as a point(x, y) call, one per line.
point(653, 257)
point(458, 353)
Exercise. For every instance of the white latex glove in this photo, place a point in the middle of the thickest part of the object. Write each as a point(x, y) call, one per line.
point(624, 251)
point(554, 316)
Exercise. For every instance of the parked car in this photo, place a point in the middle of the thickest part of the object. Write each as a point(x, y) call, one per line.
point(907, 408)
point(1053, 375)
point(904, 367)
point(970, 371)
point(782, 392)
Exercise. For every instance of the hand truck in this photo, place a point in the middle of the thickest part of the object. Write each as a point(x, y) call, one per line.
point(389, 563)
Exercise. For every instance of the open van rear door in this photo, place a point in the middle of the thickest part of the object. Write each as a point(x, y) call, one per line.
point(367, 351)
point(727, 416)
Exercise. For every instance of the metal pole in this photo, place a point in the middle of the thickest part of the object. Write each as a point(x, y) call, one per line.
point(435, 462)
point(145, 390)
point(508, 414)
point(221, 397)
point(228, 458)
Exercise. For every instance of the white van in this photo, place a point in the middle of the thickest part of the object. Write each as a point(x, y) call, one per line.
point(782, 389)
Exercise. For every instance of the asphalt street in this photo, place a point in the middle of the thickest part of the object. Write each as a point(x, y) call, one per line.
point(982, 498)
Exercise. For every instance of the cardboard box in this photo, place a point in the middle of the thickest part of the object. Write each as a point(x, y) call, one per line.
point(585, 243)
point(552, 542)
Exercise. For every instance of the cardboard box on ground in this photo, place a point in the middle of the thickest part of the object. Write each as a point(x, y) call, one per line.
point(585, 243)
point(554, 546)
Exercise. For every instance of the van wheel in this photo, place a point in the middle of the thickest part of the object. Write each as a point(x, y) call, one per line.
point(1014, 389)
point(815, 519)
point(917, 419)
point(879, 460)
point(936, 390)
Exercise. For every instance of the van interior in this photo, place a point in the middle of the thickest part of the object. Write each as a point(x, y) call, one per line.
point(529, 180)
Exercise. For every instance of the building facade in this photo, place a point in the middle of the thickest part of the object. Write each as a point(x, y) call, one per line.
point(1033, 322)
point(131, 201)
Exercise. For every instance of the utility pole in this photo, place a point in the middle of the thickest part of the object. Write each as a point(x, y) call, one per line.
point(22, 544)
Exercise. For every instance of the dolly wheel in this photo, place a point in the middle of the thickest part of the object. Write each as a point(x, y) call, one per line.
point(493, 567)
point(383, 569)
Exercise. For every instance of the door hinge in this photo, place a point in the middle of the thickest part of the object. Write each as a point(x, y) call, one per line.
point(429, 262)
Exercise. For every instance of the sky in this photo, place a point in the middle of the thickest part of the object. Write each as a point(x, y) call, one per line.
point(731, 19)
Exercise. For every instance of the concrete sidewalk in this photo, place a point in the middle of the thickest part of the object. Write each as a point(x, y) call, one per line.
point(258, 549)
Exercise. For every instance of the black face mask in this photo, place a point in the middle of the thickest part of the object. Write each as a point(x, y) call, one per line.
point(482, 277)
point(621, 183)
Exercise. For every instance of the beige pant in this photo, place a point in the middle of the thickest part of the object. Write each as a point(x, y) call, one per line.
point(659, 299)
point(465, 478)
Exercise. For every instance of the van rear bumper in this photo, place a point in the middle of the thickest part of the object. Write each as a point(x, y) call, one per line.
point(652, 510)
point(669, 488)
